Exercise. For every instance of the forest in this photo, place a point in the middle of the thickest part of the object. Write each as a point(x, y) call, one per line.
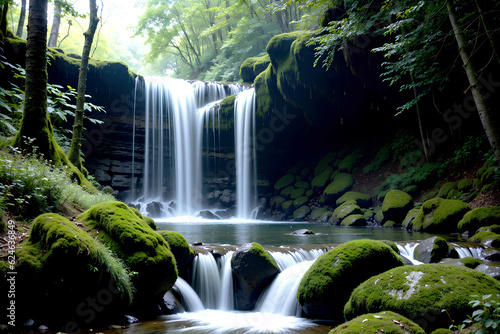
point(173, 158)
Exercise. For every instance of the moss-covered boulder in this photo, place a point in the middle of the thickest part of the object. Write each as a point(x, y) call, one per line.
point(467, 261)
point(299, 202)
point(324, 163)
point(301, 213)
point(408, 220)
point(326, 286)
point(362, 200)
point(253, 269)
point(440, 215)
point(288, 207)
point(302, 184)
point(252, 67)
point(341, 184)
point(277, 201)
point(486, 238)
point(284, 182)
point(348, 163)
point(298, 192)
point(143, 250)
point(354, 220)
point(383, 155)
point(287, 191)
point(318, 213)
point(381, 322)
point(321, 180)
point(479, 217)
point(434, 249)
point(446, 189)
point(465, 185)
point(343, 211)
point(396, 205)
point(179, 246)
point(422, 293)
point(490, 269)
point(60, 267)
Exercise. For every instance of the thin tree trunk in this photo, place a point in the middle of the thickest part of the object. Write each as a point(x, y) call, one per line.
point(477, 89)
point(22, 16)
point(74, 151)
point(56, 23)
point(65, 36)
point(3, 19)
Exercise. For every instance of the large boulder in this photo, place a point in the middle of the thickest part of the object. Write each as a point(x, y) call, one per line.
point(440, 215)
point(60, 267)
point(434, 249)
point(284, 182)
point(326, 286)
point(341, 184)
point(144, 251)
point(253, 270)
point(479, 217)
point(428, 294)
point(381, 322)
point(354, 220)
point(179, 246)
point(362, 200)
point(343, 211)
point(321, 180)
point(396, 205)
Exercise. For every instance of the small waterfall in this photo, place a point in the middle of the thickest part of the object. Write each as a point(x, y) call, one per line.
point(281, 296)
point(285, 260)
point(190, 299)
point(226, 302)
point(207, 280)
point(407, 250)
point(246, 161)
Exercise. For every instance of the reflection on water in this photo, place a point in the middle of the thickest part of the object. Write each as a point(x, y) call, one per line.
point(236, 232)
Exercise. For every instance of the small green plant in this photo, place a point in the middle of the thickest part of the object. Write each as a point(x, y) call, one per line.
point(467, 151)
point(403, 143)
point(486, 315)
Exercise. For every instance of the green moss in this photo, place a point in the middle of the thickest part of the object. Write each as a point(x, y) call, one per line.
point(446, 188)
point(60, 260)
point(259, 251)
point(324, 162)
point(277, 201)
point(302, 184)
point(493, 228)
point(227, 113)
point(150, 221)
point(396, 205)
point(297, 203)
point(382, 322)
point(320, 181)
point(467, 261)
point(296, 193)
point(362, 200)
point(442, 331)
point(348, 163)
point(343, 211)
point(408, 220)
point(338, 272)
point(440, 215)
point(486, 238)
point(465, 185)
point(179, 246)
point(287, 192)
point(284, 181)
point(479, 217)
point(354, 220)
point(383, 156)
point(487, 188)
point(390, 224)
point(301, 212)
point(419, 291)
point(392, 245)
point(268, 96)
point(143, 250)
point(309, 193)
point(288, 207)
point(431, 250)
point(341, 184)
point(318, 213)
point(253, 66)
point(369, 213)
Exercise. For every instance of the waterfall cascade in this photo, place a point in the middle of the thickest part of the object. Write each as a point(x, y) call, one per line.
point(180, 119)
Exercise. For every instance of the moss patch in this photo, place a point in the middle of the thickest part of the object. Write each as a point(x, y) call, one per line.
point(440, 215)
point(354, 220)
point(479, 217)
point(431, 250)
point(343, 211)
point(179, 246)
point(396, 205)
point(320, 181)
point(252, 67)
point(420, 291)
point(284, 182)
point(362, 200)
point(381, 322)
point(341, 184)
point(301, 212)
point(338, 272)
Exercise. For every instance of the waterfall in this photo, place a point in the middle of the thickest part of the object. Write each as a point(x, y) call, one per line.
point(177, 113)
point(207, 280)
point(226, 302)
point(246, 162)
point(190, 299)
point(285, 260)
point(407, 250)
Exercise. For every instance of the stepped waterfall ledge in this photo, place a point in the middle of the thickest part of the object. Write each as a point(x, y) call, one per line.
point(183, 145)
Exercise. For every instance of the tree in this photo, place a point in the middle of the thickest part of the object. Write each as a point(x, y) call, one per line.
point(4, 9)
point(74, 151)
point(36, 134)
point(20, 25)
point(61, 8)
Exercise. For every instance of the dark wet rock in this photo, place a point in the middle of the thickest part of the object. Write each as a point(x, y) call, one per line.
point(303, 232)
point(155, 209)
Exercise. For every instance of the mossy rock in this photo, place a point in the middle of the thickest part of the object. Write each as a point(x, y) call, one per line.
point(467, 261)
point(284, 182)
point(354, 220)
point(277, 201)
point(179, 246)
point(486, 238)
point(432, 250)
point(326, 286)
point(392, 245)
point(493, 228)
point(318, 213)
point(302, 184)
point(487, 188)
point(151, 223)
point(381, 195)
point(298, 192)
point(309, 193)
point(343, 211)
point(297, 203)
point(348, 163)
point(324, 163)
point(489, 175)
point(442, 331)
point(320, 181)
point(446, 188)
point(396, 205)
point(252, 67)
point(390, 224)
point(59, 260)
point(379, 217)
point(479, 217)
point(287, 192)
point(383, 156)
point(369, 213)
point(143, 250)
point(288, 207)
point(408, 220)
point(465, 185)
point(253, 269)
point(301, 213)
point(440, 215)
point(381, 322)
point(421, 293)
point(362, 200)
point(341, 184)
point(491, 269)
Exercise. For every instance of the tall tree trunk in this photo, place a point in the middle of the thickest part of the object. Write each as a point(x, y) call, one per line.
point(56, 23)
point(20, 25)
point(485, 113)
point(3, 19)
point(76, 142)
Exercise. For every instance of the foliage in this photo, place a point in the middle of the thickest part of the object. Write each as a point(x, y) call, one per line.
point(467, 150)
point(30, 186)
point(486, 315)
